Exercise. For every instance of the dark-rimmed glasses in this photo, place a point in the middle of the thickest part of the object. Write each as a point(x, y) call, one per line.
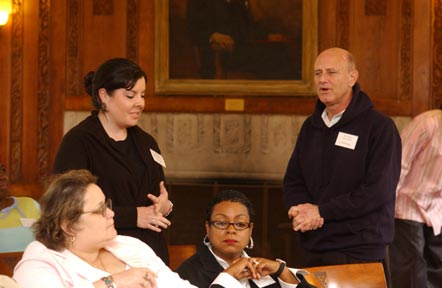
point(224, 225)
point(103, 209)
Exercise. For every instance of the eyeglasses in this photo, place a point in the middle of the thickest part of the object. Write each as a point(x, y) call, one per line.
point(224, 225)
point(102, 210)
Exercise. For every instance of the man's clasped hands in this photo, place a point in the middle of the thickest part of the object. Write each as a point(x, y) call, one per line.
point(305, 217)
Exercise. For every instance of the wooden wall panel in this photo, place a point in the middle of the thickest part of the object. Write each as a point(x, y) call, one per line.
point(16, 84)
point(31, 79)
point(102, 34)
point(188, 224)
point(375, 41)
point(436, 73)
point(57, 74)
point(34, 117)
point(48, 46)
point(424, 29)
point(381, 34)
point(5, 88)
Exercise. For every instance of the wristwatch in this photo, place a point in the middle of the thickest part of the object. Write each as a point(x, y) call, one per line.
point(282, 265)
point(109, 282)
point(170, 209)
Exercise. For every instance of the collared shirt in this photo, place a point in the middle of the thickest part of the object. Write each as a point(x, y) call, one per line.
point(41, 267)
point(419, 192)
point(329, 123)
point(226, 278)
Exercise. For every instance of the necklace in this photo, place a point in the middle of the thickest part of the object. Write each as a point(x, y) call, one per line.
point(101, 262)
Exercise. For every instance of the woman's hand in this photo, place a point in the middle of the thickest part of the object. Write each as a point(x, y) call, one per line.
point(161, 202)
point(134, 277)
point(266, 267)
point(243, 268)
point(150, 218)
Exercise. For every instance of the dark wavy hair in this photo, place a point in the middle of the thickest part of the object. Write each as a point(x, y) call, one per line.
point(62, 202)
point(111, 75)
point(231, 196)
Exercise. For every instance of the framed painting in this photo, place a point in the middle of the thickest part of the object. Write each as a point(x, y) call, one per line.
point(235, 47)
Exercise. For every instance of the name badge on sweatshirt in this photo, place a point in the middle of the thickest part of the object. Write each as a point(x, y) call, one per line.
point(158, 158)
point(346, 140)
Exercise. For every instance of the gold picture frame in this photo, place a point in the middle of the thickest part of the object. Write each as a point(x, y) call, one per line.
point(164, 85)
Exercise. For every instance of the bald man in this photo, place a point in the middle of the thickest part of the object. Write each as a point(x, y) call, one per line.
point(340, 182)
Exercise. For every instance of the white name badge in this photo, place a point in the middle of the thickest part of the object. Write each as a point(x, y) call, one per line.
point(264, 281)
point(346, 140)
point(158, 158)
point(27, 222)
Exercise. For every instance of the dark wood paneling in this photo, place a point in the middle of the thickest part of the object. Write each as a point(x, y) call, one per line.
point(436, 73)
point(380, 34)
point(48, 46)
point(272, 233)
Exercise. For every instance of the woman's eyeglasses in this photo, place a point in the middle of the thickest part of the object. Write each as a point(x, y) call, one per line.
point(224, 225)
point(103, 209)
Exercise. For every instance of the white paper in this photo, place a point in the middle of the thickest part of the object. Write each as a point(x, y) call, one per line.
point(346, 140)
point(158, 158)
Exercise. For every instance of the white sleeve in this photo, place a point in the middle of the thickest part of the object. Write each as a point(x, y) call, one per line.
point(168, 278)
point(289, 285)
point(39, 274)
point(226, 280)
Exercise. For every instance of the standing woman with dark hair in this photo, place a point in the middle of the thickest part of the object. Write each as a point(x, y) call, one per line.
point(126, 159)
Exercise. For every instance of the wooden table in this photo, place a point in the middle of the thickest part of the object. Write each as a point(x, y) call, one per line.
point(367, 275)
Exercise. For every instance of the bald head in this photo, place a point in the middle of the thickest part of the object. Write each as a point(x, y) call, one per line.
point(341, 53)
point(335, 76)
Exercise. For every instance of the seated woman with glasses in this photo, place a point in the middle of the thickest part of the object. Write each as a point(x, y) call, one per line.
point(77, 244)
point(222, 259)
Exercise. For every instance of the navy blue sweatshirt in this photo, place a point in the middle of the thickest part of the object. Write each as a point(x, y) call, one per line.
point(353, 188)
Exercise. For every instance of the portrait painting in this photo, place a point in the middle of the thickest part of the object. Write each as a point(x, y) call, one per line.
point(228, 46)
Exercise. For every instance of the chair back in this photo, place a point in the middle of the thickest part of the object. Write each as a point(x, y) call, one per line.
point(8, 260)
point(179, 253)
point(364, 275)
point(7, 282)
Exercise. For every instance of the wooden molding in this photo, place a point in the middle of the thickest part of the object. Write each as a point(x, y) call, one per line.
point(43, 90)
point(17, 63)
point(132, 30)
point(406, 50)
point(436, 100)
point(73, 83)
point(342, 23)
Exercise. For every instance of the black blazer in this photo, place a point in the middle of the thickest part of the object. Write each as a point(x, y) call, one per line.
point(201, 269)
point(125, 175)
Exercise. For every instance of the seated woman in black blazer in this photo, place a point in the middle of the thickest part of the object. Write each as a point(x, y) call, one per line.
point(229, 226)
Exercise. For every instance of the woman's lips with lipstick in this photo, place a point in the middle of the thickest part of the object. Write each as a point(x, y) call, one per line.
point(230, 241)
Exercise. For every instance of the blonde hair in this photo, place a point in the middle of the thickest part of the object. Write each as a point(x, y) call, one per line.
point(62, 202)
